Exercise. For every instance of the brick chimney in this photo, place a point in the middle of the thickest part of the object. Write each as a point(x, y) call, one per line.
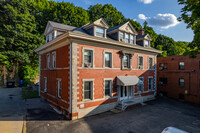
point(141, 31)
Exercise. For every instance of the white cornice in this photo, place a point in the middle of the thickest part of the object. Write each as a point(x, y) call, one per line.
point(89, 38)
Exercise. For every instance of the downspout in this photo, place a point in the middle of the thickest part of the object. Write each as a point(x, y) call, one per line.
point(39, 74)
point(155, 75)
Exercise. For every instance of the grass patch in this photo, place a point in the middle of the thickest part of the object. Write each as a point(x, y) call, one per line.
point(28, 94)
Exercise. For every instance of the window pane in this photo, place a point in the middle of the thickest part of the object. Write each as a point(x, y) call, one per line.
point(126, 61)
point(87, 90)
point(88, 58)
point(150, 83)
point(127, 38)
point(181, 65)
point(146, 42)
point(150, 63)
point(99, 31)
point(132, 39)
point(121, 35)
point(108, 59)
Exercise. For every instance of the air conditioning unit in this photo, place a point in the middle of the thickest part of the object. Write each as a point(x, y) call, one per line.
point(140, 67)
point(89, 65)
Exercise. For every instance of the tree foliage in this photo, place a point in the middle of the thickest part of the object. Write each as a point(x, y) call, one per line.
point(191, 16)
point(22, 25)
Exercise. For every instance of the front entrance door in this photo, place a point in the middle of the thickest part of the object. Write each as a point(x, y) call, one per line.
point(125, 92)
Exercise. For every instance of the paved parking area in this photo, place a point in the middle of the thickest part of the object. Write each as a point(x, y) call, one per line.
point(151, 118)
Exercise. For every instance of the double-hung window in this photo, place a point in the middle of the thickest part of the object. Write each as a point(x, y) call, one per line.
point(59, 88)
point(108, 59)
point(163, 66)
point(181, 65)
point(132, 39)
point(88, 59)
point(146, 43)
point(88, 88)
point(54, 59)
point(47, 39)
point(108, 87)
point(126, 61)
point(100, 32)
point(48, 61)
point(45, 84)
point(150, 82)
point(150, 63)
point(181, 82)
point(140, 62)
point(127, 38)
point(141, 84)
point(121, 36)
point(52, 35)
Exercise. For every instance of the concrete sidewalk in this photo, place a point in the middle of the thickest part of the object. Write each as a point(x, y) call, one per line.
point(12, 110)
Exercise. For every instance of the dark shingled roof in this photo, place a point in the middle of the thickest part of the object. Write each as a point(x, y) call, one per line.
point(115, 27)
point(141, 36)
point(61, 26)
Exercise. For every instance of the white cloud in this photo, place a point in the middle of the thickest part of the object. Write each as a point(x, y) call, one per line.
point(87, 2)
point(142, 16)
point(163, 21)
point(146, 1)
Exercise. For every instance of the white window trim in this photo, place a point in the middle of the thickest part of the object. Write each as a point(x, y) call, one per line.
point(143, 86)
point(92, 91)
point(106, 51)
point(111, 87)
point(152, 83)
point(45, 84)
point(60, 80)
point(93, 58)
point(152, 63)
point(53, 53)
point(138, 62)
point(48, 60)
point(95, 27)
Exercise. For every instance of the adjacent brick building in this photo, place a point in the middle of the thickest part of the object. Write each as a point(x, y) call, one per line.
point(92, 69)
point(179, 77)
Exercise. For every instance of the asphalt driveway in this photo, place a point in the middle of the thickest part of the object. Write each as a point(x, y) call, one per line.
point(151, 118)
point(12, 110)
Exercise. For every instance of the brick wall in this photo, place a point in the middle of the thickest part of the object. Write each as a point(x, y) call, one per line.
point(191, 89)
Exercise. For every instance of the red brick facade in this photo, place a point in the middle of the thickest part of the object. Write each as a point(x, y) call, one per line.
point(190, 91)
point(77, 83)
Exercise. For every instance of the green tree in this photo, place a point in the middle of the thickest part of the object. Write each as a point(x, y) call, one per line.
point(109, 13)
point(18, 34)
point(191, 16)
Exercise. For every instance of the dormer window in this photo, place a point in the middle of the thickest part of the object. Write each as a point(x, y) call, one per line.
point(127, 38)
point(132, 39)
point(121, 36)
point(47, 39)
point(146, 43)
point(100, 32)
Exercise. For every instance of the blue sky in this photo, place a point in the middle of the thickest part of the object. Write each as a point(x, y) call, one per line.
point(160, 14)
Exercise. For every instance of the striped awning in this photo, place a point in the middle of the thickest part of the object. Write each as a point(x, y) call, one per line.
point(127, 80)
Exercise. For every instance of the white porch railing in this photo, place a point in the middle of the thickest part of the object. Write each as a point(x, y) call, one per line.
point(134, 100)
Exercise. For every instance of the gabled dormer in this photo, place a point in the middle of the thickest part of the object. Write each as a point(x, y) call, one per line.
point(54, 30)
point(97, 28)
point(124, 33)
point(143, 39)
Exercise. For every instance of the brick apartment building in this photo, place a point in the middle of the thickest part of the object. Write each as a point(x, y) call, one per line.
point(179, 77)
point(94, 68)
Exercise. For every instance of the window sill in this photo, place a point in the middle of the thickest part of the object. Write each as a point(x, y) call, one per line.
point(126, 69)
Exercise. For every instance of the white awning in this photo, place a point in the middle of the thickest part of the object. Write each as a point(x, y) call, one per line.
point(127, 80)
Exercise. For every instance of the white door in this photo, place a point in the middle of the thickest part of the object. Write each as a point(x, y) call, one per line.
point(125, 92)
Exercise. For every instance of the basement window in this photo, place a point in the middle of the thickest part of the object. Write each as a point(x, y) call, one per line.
point(59, 88)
